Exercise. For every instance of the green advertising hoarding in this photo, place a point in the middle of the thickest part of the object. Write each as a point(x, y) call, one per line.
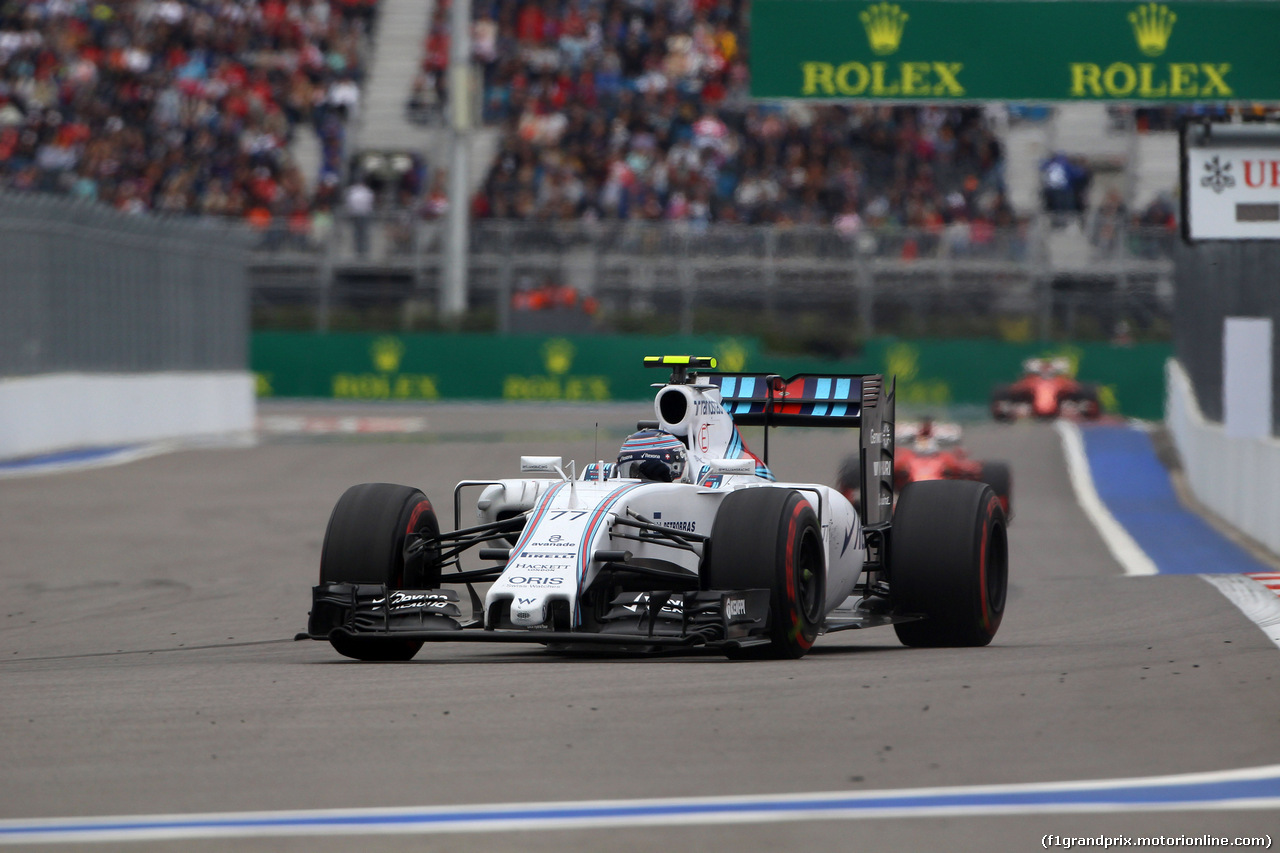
point(354, 366)
point(932, 375)
point(974, 50)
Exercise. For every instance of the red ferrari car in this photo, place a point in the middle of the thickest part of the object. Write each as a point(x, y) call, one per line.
point(1046, 390)
point(929, 451)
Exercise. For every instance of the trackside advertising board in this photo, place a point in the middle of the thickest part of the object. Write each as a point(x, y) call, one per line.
point(931, 374)
point(1231, 182)
point(973, 50)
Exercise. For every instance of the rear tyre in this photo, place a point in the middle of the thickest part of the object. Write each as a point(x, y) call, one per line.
point(364, 543)
point(1001, 404)
point(949, 562)
point(999, 477)
point(769, 538)
point(849, 480)
point(1090, 406)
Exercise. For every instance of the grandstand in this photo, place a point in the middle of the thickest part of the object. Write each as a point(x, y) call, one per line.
point(183, 107)
point(597, 109)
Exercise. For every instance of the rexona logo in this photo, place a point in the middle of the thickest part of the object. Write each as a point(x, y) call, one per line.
point(884, 24)
point(1152, 25)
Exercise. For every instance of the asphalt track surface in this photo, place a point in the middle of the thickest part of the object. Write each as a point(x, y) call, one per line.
point(147, 667)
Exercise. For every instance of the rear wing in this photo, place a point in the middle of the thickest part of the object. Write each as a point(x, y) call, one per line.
point(853, 400)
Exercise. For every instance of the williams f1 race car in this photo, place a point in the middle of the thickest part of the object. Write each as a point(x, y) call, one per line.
point(687, 539)
point(1046, 390)
point(931, 451)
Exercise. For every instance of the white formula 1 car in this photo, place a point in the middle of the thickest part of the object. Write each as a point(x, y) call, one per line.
point(686, 540)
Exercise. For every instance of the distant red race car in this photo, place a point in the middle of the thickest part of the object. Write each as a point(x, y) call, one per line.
point(1046, 390)
point(930, 451)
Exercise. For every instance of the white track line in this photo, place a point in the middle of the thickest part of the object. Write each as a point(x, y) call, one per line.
point(1127, 552)
point(1255, 600)
point(1251, 788)
point(125, 455)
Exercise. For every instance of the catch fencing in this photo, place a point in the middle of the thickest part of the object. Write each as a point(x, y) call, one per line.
point(1058, 278)
point(86, 289)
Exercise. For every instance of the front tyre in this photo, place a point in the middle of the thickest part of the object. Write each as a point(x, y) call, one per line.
point(949, 562)
point(769, 538)
point(365, 543)
point(999, 477)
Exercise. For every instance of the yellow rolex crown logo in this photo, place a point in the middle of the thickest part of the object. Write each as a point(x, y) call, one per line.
point(387, 353)
point(557, 355)
point(1152, 26)
point(884, 23)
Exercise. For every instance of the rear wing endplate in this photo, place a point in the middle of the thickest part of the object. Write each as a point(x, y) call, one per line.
point(875, 448)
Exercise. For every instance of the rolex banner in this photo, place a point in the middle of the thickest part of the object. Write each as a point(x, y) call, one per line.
point(961, 50)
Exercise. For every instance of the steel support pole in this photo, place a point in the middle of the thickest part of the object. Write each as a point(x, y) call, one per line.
point(453, 301)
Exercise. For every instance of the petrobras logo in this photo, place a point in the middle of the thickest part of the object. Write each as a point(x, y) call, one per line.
point(674, 605)
point(400, 600)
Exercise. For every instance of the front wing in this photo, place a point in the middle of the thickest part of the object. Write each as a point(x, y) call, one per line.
point(719, 619)
point(715, 618)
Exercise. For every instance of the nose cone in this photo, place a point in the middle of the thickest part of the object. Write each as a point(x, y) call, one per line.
point(529, 609)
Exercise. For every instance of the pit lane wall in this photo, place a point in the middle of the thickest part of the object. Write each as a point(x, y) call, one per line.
point(44, 414)
point(933, 375)
point(1237, 478)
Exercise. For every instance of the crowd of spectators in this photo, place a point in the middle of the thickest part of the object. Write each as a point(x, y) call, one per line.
point(640, 109)
point(608, 110)
point(180, 107)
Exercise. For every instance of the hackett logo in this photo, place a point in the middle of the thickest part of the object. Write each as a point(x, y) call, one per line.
point(1152, 25)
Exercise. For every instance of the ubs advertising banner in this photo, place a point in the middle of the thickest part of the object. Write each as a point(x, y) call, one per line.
point(946, 50)
point(1231, 182)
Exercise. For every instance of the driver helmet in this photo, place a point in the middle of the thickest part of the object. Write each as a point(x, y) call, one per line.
point(652, 454)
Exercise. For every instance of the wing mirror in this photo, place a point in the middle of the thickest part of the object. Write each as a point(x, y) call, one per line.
point(542, 465)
